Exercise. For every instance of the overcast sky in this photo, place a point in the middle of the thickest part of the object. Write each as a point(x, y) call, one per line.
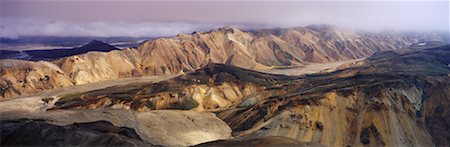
point(159, 18)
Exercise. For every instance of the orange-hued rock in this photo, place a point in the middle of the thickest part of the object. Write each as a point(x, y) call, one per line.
point(155, 128)
point(99, 66)
point(264, 48)
point(23, 77)
point(394, 98)
point(255, 49)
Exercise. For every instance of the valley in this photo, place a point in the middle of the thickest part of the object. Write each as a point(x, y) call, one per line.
point(308, 68)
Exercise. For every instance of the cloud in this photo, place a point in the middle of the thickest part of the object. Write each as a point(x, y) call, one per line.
point(367, 15)
point(167, 18)
point(158, 18)
point(14, 27)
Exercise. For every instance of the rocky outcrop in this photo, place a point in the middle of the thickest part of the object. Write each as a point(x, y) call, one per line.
point(262, 142)
point(182, 128)
point(100, 133)
point(22, 77)
point(99, 66)
point(110, 127)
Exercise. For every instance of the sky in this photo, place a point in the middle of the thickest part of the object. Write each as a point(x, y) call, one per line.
point(145, 18)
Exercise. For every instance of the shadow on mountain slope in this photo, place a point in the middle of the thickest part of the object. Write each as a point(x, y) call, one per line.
point(25, 132)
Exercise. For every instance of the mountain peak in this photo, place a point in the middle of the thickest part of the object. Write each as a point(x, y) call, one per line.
point(95, 42)
point(96, 45)
point(321, 27)
point(227, 29)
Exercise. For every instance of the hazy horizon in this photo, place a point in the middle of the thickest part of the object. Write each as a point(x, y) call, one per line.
point(158, 18)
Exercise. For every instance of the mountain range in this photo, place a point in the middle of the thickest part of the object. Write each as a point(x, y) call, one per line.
point(392, 98)
point(252, 49)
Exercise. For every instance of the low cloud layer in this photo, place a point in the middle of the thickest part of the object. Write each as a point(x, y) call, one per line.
point(159, 18)
point(14, 27)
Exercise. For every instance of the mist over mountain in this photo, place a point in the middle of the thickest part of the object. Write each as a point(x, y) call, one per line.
point(157, 18)
point(70, 41)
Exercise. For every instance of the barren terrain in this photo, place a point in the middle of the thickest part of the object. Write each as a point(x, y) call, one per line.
point(308, 68)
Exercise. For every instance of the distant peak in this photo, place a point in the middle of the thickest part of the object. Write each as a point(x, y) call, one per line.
point(97, 46)
point(96, 42)
point(227, 29)
point(321, 27)
point(328, 28)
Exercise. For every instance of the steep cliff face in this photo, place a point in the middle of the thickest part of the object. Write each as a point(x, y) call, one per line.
point(376, 117)
point(435, 111)
point(257, 49)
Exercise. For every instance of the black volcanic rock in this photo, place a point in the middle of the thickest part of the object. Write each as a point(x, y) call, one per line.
point(7, 54)
point(25, 132)
point(94, 45)
point(221, 73)
point(266, 141)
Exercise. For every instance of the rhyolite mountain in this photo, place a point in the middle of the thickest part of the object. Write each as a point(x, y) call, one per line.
point(392, 98)
point(254, 49)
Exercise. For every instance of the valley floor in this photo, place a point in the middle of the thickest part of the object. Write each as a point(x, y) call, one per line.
point(96, 86)
point(290, 71)
point(308, 69)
